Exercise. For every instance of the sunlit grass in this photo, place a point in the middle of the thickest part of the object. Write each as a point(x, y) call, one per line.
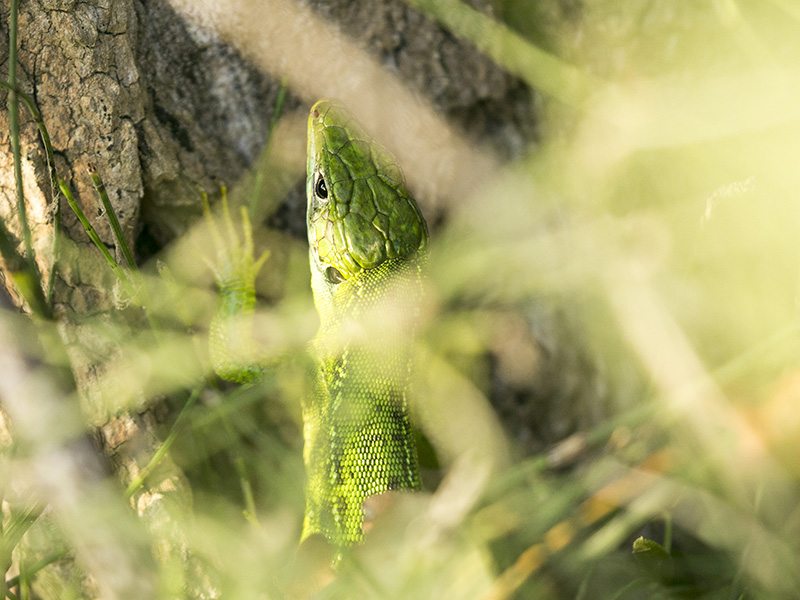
point(656, 216)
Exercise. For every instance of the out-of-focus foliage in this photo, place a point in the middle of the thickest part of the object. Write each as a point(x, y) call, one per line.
point(658, 209)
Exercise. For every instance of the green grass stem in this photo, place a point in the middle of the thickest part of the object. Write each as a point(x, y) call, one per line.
point(112, 217)
point(13, 111)
point(121, 275)
point(31, 571)
point(162, 450)
point(54, 191)
point(22, 268)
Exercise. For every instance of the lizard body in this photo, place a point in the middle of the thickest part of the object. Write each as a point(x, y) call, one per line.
point(367, 252)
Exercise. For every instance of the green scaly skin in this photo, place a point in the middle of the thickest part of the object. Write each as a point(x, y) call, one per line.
point(368, 243)
point(368, 246)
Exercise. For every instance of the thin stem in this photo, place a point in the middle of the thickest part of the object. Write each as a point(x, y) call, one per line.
point(164, 448)
point(241, 471)
point(132, 280)
point(247, 489)
point(112, 216)
point(12, 534)
point(38, 566)
point(96, 239)
point(22, 269)
point(54, 191)
point(668, 533)
point(13, 110)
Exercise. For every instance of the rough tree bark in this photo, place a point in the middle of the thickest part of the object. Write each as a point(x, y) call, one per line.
point(163, 107)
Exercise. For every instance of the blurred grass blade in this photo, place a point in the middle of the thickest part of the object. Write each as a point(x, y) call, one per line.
point(141, 477)
point(66, 472)
point(174, 290)
point(264, 158)
point(20, 522)
point(538, 68)
point(791, 7)
point(32, 570)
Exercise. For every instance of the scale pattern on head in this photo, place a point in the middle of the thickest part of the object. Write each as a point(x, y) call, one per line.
point(360, 213)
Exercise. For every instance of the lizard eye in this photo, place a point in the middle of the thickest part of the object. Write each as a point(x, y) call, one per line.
point(333, 275)
point(320, 189)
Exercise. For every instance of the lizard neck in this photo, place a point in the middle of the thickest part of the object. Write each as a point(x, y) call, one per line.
point(359, 441)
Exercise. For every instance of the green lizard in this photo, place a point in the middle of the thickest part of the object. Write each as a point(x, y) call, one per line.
point(368, 246)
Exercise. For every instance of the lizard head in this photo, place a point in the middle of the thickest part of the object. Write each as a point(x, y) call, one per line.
point(360, 213)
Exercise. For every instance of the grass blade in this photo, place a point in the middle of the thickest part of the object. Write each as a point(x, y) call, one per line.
point(112, 216)
point(121, 275)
